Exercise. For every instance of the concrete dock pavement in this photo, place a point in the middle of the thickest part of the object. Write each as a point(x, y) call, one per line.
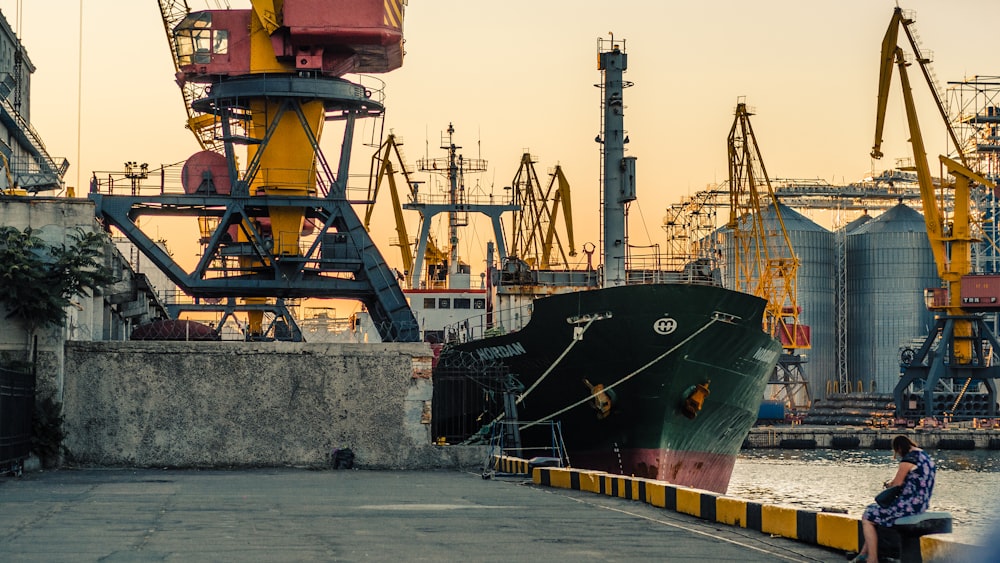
point(350, 515)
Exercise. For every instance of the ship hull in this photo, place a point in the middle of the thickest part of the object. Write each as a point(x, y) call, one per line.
point(648, 347)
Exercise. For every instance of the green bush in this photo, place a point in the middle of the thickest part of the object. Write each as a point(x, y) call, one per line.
point(47, 431)
point(37, 281)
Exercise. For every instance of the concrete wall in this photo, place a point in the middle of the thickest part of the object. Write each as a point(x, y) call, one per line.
point(196, 404)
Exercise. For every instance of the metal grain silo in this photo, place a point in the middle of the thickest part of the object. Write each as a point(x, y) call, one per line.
point(889, 264)
point(815, 248)
point(856, 224)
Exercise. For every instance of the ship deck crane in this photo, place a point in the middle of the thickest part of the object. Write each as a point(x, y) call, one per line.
point(961, 355)
point(764, 260)
point(384, 171)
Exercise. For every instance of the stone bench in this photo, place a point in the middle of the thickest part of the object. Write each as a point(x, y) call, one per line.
point(903, 538)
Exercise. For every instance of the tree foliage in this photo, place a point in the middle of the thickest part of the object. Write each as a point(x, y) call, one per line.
point(38, 281)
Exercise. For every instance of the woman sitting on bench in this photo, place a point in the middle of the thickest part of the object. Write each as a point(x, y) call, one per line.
point(915, 476)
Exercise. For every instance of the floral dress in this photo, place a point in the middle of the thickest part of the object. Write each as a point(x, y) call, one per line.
point(915, 496)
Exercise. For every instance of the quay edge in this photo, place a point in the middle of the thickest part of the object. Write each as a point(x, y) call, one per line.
point(799, 436)
point(838, 532)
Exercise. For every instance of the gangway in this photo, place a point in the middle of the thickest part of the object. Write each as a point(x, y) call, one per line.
point(501, 432)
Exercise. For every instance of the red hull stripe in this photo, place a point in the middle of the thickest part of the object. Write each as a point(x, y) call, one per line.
point(699, 470)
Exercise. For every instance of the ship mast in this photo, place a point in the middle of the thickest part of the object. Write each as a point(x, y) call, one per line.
point(618, 170)
point(457, 205)
point(456, 196)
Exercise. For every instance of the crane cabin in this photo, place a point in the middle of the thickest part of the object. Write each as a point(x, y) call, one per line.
point(328, 37)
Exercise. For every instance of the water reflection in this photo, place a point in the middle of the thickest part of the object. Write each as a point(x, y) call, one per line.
point(967, 483)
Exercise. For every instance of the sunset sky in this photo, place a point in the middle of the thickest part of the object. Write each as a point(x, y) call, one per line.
point(519, 75)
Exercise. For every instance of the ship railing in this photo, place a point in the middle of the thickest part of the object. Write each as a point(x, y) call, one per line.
point(656, 268)
point(444, 198)
point(501, 321)
point(686, 272)
point(645, 277)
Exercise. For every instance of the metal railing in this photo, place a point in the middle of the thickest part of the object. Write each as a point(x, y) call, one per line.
point(167, 179)
point(500, 321)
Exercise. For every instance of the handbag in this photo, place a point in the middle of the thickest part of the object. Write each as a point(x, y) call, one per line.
point(888, 496)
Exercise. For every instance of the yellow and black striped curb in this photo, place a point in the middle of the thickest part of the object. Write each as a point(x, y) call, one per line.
point(836, 531)
point(507, 464)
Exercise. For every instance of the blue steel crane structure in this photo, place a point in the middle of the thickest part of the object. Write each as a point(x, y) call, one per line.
point(283, 225)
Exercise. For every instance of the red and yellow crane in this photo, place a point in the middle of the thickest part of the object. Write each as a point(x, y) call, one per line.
point(765, 263)
point(950, 235)
point(265, 81)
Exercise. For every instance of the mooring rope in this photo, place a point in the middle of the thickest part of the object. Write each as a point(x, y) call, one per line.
point(555, 363)
point(548, 371)
point(627, 377)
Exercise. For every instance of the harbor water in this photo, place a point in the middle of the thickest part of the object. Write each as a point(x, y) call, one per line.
point(967, 483)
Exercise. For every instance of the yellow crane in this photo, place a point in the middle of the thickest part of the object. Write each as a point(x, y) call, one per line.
point(384, 172)
point(534, 233)
point(765, 263)
point(950, 236)
point(764, 260)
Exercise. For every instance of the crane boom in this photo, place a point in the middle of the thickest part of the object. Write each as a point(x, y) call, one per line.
point(889, 55)
point(932, 212)
point(386, 171)
point(534, 227)
point(950, 238)
point(889, 49)
point(204, 126)
point(561, 194)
